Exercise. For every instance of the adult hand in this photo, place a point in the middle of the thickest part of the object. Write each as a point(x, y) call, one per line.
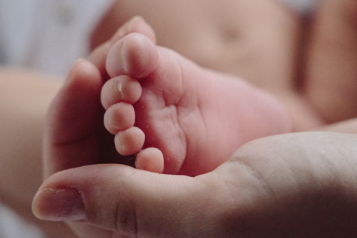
point(294, 185)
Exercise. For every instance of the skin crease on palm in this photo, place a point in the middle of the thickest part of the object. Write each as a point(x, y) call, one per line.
point(271, 78)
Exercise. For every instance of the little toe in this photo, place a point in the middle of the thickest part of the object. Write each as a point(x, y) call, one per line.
point(129, 141)
point(150, 159)
point(119, 117)
point(120, 89)
point(135, 55)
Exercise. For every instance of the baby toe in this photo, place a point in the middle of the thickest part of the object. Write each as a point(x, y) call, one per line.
point(150, 159)
point(119, 117)
point(120, 89)
point(129, 141)
point(135, 55)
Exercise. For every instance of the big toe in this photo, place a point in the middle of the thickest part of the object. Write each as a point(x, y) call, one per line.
point(136, 24)
point(134, 55)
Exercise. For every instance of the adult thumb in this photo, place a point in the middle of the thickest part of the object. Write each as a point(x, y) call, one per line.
point(128, 201)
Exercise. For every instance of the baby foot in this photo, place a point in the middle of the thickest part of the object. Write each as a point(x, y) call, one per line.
point(196, 117)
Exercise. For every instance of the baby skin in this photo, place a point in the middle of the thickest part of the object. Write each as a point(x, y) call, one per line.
point(177, 117)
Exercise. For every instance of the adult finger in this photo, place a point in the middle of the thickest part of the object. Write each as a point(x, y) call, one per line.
point(72, 120)
point(296, 184)
point(127, 201)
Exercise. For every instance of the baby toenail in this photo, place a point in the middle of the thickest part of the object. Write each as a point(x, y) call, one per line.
point(120, 89)
point(110, 121)
point(119, 144)
point(123, 59)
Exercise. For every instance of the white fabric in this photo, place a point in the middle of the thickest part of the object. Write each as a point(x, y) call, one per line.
point(48, 35)
point(12, 226)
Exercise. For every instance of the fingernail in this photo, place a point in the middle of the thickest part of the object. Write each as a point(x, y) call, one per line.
point(73, 70)
point(137, 18)
point(59, 205)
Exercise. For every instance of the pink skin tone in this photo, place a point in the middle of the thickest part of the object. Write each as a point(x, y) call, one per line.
point(304, 171)
point(176, 116)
